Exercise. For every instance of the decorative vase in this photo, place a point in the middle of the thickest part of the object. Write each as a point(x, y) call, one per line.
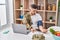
point(50, 20)
point(21, 16)
point(21, 8)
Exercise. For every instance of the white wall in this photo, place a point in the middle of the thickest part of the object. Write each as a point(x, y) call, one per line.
point(59, 20)
point(10, 5)
point(3, 19)
point(59, 17)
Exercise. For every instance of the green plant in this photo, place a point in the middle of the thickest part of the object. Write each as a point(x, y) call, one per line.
point(51, 18)
point(21, 5)
point(52, 31)
point(59, 3)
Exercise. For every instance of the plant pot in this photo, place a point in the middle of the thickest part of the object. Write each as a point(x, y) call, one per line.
point(21, 8)
point(21, 16)
point(50, 20)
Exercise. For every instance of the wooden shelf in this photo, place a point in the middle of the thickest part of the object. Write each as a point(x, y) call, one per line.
point(19, 19)
point(53, 22)
point(40, 10)
point(44, 13)
point(28, 10)
point(50, 11)
point(22, 9)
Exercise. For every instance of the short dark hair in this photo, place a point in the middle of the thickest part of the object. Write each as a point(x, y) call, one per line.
point(34, 6)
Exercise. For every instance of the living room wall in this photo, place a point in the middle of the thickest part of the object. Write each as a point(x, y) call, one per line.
point(59, 14)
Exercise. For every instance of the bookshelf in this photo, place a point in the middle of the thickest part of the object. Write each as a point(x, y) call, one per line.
point(47, 8)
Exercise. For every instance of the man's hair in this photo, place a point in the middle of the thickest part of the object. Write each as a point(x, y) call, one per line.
point(34, 6)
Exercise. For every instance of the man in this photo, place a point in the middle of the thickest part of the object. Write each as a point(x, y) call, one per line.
point(34, 19)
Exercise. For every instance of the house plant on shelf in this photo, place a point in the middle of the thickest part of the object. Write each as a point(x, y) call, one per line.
point(21, 7)
point(51, 19)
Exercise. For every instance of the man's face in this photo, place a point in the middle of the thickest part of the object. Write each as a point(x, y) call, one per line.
point(33, 11)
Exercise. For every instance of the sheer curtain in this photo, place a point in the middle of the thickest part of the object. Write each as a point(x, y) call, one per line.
point(3, 19)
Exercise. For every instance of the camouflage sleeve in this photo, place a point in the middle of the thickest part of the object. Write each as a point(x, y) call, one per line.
point(28, 19)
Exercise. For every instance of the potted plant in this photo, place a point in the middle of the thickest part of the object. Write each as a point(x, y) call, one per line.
point(51, 18)
point(21, 6)
point(59, 5)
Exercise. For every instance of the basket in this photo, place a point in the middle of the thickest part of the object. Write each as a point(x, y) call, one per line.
point(56, 37)
point(56, 28)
